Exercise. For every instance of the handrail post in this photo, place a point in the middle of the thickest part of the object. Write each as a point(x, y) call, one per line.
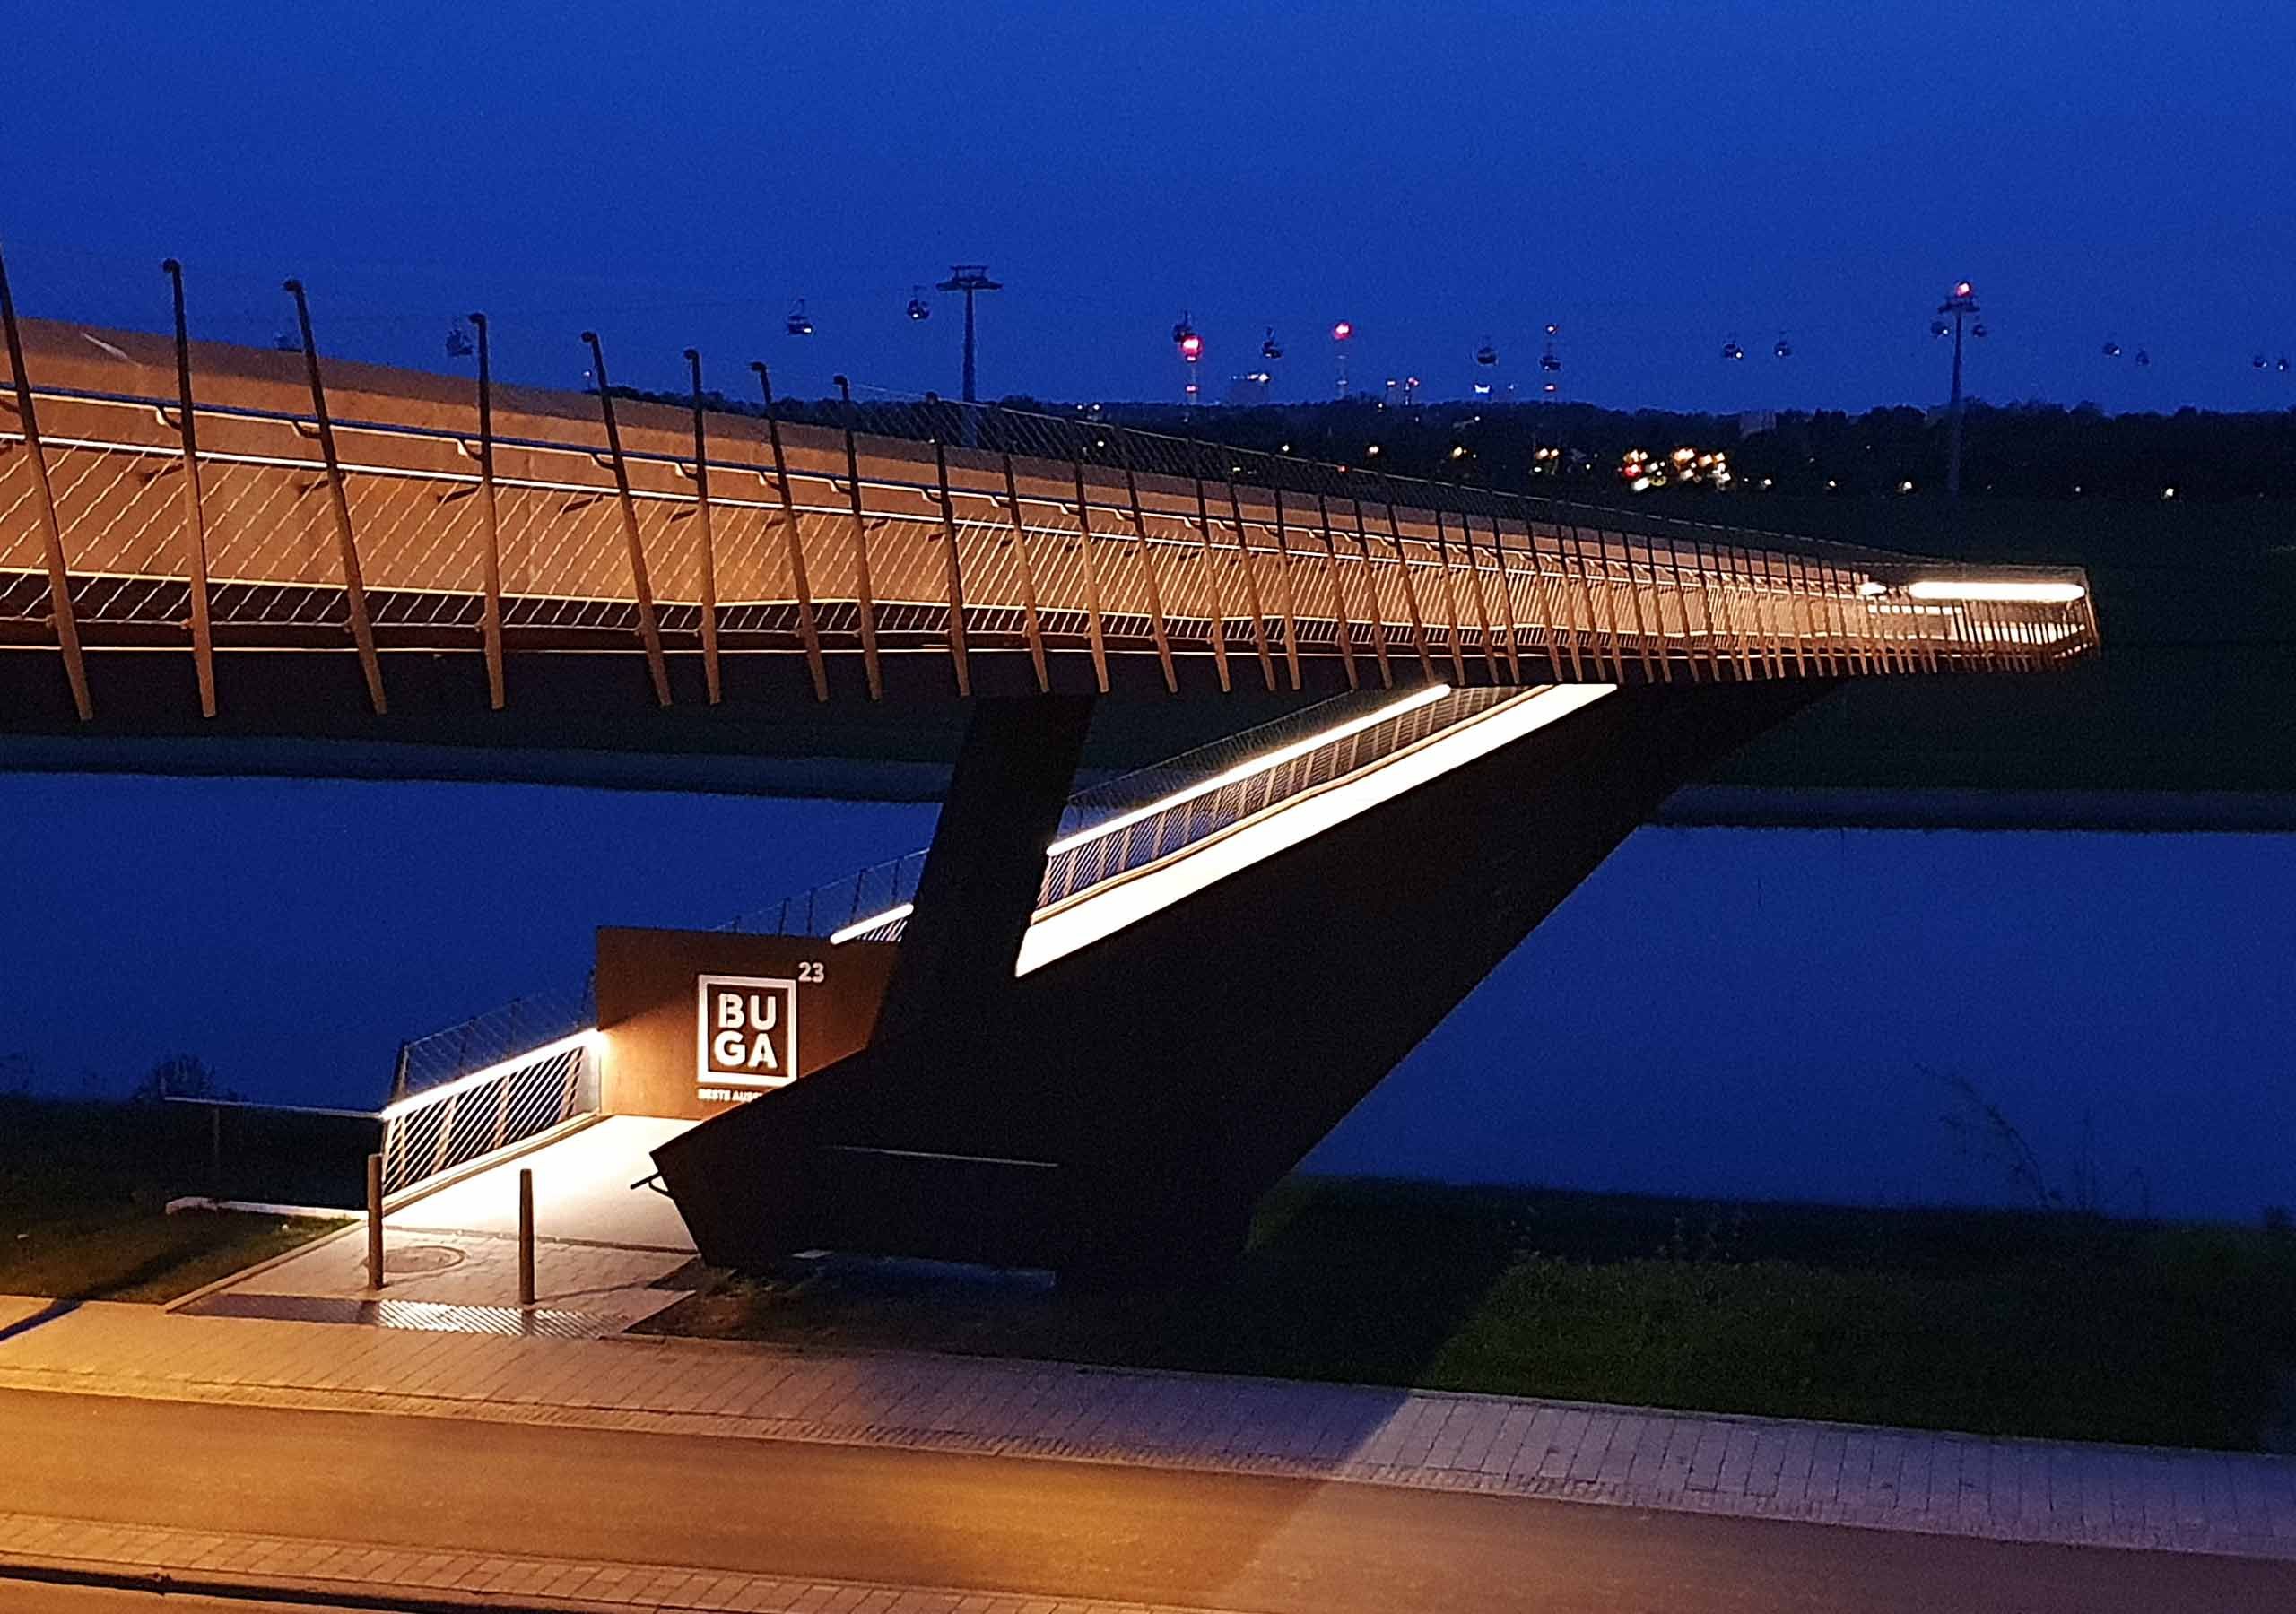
point(862, 588)
point(1410, 589)
point(1094, 627)
point(1342, 620)
point(59, 577)
point(195, 517)
point(1211, 563)
point(491, 624)
point(374, 1221)
point(808, 632)
point(1371, 589)
point(525, 1236)
point(649, 630)
point(1245, 557)
point(1029, 618)
point(354, 581)
point(1148, 565)
point(959, 657)
point(710, 668)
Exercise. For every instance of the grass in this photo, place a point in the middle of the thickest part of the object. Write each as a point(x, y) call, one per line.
point(2054, 1325)
point(84, 1186)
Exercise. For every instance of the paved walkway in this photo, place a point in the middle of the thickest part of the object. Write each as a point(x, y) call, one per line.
point(191, 1561)
point(603, 1247)
point(1765, 1468)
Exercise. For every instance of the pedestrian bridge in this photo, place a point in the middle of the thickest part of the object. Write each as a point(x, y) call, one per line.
point(379, 525)
point(1081, 1030)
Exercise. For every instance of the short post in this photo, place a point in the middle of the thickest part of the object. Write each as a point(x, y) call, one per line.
point(374, 1221)
point(525, 1236)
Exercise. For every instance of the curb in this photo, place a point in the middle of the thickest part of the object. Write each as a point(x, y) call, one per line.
point(317, 1594)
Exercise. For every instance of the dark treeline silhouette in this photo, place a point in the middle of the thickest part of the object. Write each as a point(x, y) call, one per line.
point(2012, 451)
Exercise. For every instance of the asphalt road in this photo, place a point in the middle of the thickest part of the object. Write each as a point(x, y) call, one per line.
point(1218, 1542)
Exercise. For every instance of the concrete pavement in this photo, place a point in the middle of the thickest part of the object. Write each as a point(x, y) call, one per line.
point(603, 1246)
point(398, 1508)
point(1901, 1481)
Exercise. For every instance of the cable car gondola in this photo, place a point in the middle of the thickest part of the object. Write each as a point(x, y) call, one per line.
point(1271, 350)
point(2112, 348)
point(459, 344)
point(1486, 353)
point(800, 324)
point(1782, 348)
point(2143, 357)
point(1732, 350)
point(918, 309)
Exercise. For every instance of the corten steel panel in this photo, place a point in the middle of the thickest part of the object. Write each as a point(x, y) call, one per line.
point(1119, 1111)
point(649, 1007)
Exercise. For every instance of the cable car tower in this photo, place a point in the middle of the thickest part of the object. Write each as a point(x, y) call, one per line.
point(969, 279)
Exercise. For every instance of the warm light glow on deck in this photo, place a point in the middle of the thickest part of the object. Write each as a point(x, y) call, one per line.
point(1972, 588)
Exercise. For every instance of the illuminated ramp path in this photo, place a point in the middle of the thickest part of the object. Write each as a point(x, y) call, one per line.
point(1096, 1059)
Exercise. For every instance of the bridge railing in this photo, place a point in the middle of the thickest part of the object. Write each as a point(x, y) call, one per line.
point(864, 528)
point(1132, 821)
point(488, 1082)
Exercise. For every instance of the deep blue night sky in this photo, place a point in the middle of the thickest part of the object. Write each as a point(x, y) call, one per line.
point(1748, 1013)
point(1654, 177)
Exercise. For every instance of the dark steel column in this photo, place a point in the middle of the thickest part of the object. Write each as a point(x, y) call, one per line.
point(194, 514)
point(708, 542)
point(354, 581)
point(981, 877)
point(806, 628)
point(491, 626)
point(649, 630)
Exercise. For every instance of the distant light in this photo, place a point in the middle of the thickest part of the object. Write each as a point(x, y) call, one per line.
point(2168, 492)
point(1976, 588)
point(1458, 451)
point(1191, 347)
point(1869, 588)
point(1374, 448)
point(1342, 331)
point(1905, 487)
point(1962, 289)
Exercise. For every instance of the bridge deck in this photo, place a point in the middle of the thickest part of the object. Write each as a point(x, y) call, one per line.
point(1015, 536)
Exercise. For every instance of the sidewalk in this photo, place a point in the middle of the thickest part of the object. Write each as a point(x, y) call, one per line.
point(2015, 1490)
point(190, 1562)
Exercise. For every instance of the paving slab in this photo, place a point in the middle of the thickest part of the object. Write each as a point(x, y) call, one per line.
point(1639, 1457)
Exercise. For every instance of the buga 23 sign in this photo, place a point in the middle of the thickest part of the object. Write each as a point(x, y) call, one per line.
point(748, 1035)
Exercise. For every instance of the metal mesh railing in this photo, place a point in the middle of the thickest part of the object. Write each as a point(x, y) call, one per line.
point(861, 527)
point(1123, 823)
point(1109, 842)
point(490, 1037)
point(839, 905)
point(467, 1119)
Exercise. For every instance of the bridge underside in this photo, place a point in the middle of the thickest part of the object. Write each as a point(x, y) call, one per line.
point(1114, 1111)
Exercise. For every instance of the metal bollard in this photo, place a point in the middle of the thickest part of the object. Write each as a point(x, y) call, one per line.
point(525, 1236)
point(374, 1221)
